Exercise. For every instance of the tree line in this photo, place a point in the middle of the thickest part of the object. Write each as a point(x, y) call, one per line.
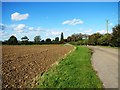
point(108, 39)
point(76, 39)
point(37, 40)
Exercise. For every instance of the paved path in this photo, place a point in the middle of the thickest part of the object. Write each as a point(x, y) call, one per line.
point(105, 62)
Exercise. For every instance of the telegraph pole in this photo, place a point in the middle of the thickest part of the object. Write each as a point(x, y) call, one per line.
point(107, 26)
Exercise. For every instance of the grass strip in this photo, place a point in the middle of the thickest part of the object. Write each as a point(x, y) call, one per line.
point(75, 71)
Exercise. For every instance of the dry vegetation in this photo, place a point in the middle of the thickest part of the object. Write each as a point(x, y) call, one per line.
point(23, 63)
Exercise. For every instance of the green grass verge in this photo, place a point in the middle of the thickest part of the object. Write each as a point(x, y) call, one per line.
point(75, 71)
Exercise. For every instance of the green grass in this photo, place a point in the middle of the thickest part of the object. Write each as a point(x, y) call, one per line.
point(75, 71)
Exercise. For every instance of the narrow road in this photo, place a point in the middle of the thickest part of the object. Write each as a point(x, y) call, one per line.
point(105, 62)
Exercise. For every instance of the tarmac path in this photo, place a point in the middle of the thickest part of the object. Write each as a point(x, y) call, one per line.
point(105, 62)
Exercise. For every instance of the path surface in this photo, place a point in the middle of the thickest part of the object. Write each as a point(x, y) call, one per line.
point(105, 62)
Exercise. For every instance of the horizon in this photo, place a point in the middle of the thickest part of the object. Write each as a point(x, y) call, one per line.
point(49, 19)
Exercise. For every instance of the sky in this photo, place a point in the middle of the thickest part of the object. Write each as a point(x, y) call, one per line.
point(49, 19)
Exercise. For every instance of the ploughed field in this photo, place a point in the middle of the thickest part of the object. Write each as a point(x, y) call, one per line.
point(21, 64)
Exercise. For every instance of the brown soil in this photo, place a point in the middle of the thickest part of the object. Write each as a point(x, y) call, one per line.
point(20, 64)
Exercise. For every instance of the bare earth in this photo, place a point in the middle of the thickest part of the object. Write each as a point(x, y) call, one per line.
point(21, 64)
point(105, 62)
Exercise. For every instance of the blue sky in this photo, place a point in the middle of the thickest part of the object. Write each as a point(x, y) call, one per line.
point(49, 19)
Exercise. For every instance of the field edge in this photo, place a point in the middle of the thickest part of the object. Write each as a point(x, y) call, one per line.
point(32, 83)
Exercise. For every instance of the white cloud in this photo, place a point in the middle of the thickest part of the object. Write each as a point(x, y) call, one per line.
point(111, 24)
point(1, 33)
point(73, 22)
point(55, 32)
point(88, 31)
point(13, 25)
point(38, 29)
point(31, 28)
point(52, 33)
point(14, 35)
point(85, 31)
point(102, 31)
point(20, 28)
point(20, 31)
point(18, 17)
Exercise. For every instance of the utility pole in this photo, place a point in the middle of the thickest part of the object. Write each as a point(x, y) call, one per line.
point(107, 26)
